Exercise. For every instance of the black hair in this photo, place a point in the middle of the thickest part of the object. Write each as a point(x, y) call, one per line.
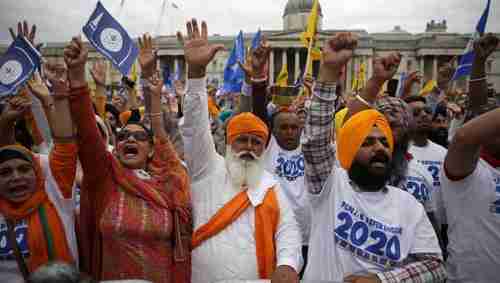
point(415, 98)
point(112, 109)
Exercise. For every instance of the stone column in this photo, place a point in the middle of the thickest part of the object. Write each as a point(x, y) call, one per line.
point(369, 67)
point(284, 59)
point(434, 68)
point(297, 64)
point(271, 68)
point(176, 65)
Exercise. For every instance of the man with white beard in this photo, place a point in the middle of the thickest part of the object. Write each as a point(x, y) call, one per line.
point(244, 226)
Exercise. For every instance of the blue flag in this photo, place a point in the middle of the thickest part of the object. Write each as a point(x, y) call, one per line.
point(167, 79)
point(111, 39)
point(256, 40)
point(233, 74)
point(17, 65)
point(465, 64)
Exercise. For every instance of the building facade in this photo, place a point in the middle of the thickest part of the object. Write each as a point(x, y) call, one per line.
point(424, 52)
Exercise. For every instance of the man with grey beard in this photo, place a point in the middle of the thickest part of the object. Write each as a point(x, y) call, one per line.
point(244, 226)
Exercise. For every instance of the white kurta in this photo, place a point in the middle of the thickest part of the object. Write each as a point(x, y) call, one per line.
point(231, 253)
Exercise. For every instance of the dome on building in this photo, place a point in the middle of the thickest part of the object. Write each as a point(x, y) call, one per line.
point(297, 14)
point(299, 6)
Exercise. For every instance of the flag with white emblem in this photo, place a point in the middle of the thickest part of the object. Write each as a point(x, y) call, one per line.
point(111, 39)
point(17, 65)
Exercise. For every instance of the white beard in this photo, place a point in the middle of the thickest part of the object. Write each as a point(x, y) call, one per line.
point(243, 173)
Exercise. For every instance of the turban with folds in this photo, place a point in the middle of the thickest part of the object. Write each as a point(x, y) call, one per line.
point(354, 132)
point(246, 123)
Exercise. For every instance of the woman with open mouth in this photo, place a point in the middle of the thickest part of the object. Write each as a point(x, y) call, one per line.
point(135, 203)
point(37, 205)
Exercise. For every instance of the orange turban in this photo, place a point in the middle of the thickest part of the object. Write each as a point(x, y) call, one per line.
point(354, 132)
point(246, 123)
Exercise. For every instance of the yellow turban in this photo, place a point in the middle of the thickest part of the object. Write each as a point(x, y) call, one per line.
point(354, 132)
point(246, 123)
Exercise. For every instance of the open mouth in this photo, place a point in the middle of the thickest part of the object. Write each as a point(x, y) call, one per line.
point(130, 151)
point(19, 191)
point(380, 161)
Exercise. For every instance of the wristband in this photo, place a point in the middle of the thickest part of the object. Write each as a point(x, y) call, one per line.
point(361, 99)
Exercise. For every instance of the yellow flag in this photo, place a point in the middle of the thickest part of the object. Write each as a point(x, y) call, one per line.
point(312, 24)
point(282, 79)
point(133, 72)
point(428, 88)
point(362, 76)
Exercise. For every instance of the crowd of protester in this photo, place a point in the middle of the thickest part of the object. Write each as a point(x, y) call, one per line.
point(183, 184)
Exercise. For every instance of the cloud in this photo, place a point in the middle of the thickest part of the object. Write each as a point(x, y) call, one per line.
point(58, 20)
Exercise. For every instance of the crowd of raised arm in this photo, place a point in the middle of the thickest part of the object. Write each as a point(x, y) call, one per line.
point(183, 182)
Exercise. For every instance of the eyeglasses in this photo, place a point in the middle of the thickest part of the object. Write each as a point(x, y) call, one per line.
point(138, 135)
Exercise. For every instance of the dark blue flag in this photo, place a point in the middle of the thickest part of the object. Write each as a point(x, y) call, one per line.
point(111, 39)
point(233, 74)
point(17, 65)
point(465, 63)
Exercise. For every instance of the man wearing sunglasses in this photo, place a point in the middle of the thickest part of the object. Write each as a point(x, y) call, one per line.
point(426, 155)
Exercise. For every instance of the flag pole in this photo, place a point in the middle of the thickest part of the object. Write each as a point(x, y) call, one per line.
point(309, 57)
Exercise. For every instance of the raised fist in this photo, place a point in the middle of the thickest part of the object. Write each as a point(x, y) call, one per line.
point(338, 51)
point(384, 68)
point(485, 46)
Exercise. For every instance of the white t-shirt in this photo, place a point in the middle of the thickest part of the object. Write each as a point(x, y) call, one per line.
point(432, 157)
point(419, 182)
point(354, 232)
point(288, 168)
point(473, 214)
point(9, 271)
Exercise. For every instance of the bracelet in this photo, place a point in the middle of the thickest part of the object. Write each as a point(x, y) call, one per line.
point(358, 97)
point(152, 115)
point(478, 79)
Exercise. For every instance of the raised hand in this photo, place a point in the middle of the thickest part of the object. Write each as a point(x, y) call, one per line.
point(17, 106)
point(98, 73)
point(336, 53)
point(147, 56)
point(198, 52)
point(39, 89)
point(179, 88)
point(384, 68)
point(485, 46)
point(24, 29)
point(75, 56)
point(257, 61)
point(155, 86)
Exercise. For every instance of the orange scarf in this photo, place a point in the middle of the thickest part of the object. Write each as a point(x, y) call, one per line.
point(266, 223)
point(30, 211)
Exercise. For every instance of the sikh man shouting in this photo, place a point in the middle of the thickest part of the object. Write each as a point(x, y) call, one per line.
point(244, 226)
point(363, 230)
